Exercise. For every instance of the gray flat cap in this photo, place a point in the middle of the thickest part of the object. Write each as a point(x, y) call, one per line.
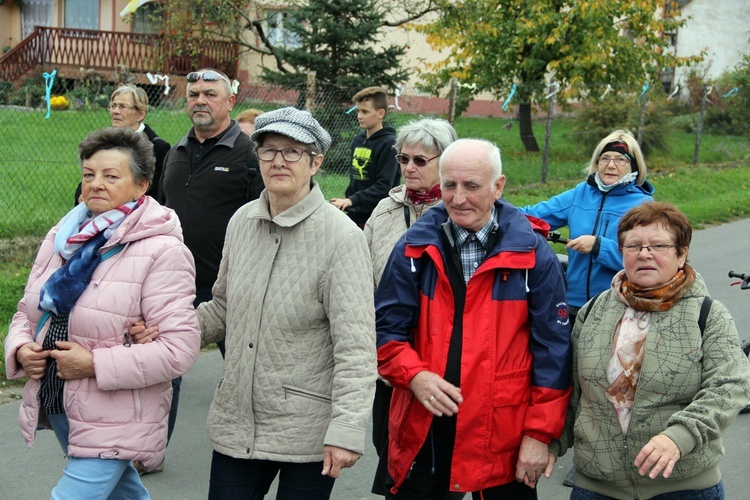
point(294, 123)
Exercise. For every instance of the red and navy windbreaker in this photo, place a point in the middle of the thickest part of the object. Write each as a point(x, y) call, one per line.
point(515, 359)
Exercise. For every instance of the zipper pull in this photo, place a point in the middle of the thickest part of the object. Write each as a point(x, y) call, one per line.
point(187, 183)
point(410, 469)
point(127, 339)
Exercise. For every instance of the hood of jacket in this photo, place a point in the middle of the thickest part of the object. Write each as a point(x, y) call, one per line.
point(149, 219)
point(516, 230)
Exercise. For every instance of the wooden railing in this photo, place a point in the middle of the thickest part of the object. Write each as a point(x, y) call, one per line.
point(109, 50)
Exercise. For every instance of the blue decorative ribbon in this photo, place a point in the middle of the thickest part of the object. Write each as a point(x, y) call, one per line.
point(49, 79)
point(643, 91)
point(350, 110)
point(731, 93)
point(507, 101)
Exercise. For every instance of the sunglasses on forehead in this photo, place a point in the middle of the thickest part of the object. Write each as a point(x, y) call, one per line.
point(208, 76)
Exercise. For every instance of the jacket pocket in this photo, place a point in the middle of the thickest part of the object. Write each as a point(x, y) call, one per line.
point(512, 394)
point(291, 391)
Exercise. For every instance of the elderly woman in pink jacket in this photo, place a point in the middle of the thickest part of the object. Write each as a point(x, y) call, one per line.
point(115, 259)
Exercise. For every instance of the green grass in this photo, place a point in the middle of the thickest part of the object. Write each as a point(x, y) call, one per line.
point(39, 172)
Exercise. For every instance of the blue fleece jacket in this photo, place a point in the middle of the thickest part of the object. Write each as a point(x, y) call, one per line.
point(587, 210)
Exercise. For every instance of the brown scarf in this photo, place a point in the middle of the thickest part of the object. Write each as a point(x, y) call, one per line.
point(659, 298)
point(628, 350)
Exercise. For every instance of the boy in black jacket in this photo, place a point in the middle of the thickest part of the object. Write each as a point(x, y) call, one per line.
point(374, 169)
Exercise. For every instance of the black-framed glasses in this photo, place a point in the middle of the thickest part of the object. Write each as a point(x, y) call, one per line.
point(291, 155)
point(636, 249)
point(620, 161)
point(419, 161)
point(208, 76)
point(116, 105)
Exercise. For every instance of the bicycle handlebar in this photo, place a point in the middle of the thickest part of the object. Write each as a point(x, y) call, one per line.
point(556, 237)
point(745, 283)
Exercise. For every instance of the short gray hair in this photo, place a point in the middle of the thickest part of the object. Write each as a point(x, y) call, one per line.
point(493, 155)
point(432, 134)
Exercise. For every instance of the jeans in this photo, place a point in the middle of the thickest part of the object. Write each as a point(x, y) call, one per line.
point(94, 478)
point(242, 479)
point(713, 493)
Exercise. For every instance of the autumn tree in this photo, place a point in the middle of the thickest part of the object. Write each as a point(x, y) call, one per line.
point(581, 44)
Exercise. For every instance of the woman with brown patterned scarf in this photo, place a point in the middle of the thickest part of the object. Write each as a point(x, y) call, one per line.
point(657, 370)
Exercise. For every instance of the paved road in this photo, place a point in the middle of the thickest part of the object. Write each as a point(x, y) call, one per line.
point(31, 474)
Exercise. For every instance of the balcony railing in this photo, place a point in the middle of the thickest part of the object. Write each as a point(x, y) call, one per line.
point(109, 50)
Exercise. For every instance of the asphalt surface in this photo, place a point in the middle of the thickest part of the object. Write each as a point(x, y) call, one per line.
point(31, 474)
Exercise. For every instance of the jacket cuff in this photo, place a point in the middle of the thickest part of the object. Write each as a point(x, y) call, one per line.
point(681, 437)
point(544, 438)
point(348, 437)
point(597, 246)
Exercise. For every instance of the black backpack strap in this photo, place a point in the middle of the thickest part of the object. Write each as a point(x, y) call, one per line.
point(591, 306)
point(703, 316)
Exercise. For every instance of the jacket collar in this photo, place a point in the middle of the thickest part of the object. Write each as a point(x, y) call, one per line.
point(293, 215)
point(227, 138)
point(516, 233)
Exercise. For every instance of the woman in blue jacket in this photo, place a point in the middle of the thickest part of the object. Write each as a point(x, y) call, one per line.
point(616, 183)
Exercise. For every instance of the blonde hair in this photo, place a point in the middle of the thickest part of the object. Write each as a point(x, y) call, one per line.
point(634, 151)
point(140, 97)
point(249, 115)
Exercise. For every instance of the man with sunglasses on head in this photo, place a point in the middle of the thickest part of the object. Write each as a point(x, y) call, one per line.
point(207, 176)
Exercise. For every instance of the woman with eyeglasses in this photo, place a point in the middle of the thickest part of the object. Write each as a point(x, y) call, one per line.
point(293, 302)
point(658, 374)
point(128, 106)
point(419, 144)
point(616, 182)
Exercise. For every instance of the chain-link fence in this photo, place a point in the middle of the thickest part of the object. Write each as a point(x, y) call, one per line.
point(38, 166)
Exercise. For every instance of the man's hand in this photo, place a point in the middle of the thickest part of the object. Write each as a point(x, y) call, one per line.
point(660, 455)
point(33, 359)
point(439, 396)
point(341, 203)
point(533, 461)
point(335, 459)
point(582, 244)
point(143, 335)
point(73, 361)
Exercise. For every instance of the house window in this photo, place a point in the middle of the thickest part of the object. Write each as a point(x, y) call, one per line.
point(82, 14)
point(149, 18)
point(277, 29)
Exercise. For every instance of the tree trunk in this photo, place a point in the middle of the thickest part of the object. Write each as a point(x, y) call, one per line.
point(524, 127)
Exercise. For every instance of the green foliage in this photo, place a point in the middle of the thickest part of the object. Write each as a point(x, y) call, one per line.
point(31, 93)
point(6, 90)
point(599, 117)
point(739, 104)
point(498, 43)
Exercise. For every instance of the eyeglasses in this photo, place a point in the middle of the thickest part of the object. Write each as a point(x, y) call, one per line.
point(116, 105)
point(208, 76)
point(636, 249)
point(288, 154)
point(419, 161)
point(620, 161)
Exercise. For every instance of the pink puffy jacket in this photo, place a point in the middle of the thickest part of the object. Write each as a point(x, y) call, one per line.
point(122, 412)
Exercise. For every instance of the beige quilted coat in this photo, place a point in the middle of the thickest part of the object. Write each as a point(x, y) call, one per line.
point(386, 225)
point(294, 303)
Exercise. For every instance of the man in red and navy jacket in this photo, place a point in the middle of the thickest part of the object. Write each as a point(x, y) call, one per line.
point(473, 334)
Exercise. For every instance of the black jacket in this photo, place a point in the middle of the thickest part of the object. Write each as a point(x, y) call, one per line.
point(205, 183)
point(374, 171)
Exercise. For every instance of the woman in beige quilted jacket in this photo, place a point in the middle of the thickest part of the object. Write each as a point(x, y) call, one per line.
point(293, 302)
point(419, 144)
